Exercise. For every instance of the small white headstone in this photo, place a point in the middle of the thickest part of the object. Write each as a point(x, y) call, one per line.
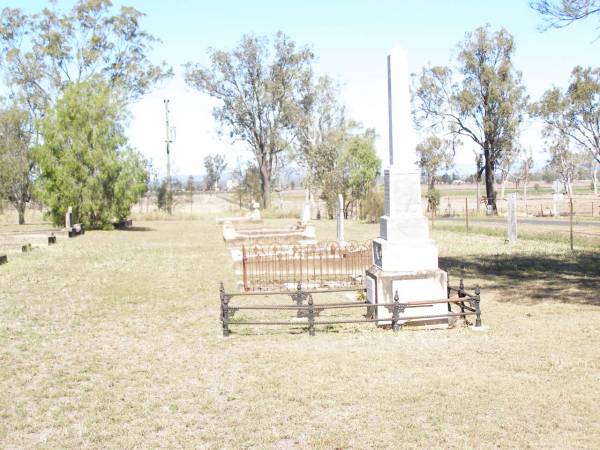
point(340, 219)
point(557, 186)
point(305, 217)
point(556, 198)
point(69, 218)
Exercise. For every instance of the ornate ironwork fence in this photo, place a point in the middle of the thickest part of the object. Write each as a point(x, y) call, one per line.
point(267, 268)
point(468, 305)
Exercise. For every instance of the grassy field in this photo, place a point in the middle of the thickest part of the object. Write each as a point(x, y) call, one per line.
point(112, 340)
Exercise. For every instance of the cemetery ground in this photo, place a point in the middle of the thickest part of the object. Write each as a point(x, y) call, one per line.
point(113, 340)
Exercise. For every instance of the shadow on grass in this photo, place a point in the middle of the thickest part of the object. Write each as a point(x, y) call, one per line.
point(533, 278)
point(136, 229)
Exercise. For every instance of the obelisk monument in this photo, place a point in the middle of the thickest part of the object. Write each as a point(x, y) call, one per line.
point(406, 259)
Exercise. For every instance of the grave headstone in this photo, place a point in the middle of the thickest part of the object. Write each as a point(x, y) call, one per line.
point(69, 218)
point(340, 219)
point(3, 259)
point(406, 259)
point(512, 218)
point(557, 187)
point(306, 210)
point(255, 214)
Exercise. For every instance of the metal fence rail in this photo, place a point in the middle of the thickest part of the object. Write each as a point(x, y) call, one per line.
point(468, 304)
point(267, 268)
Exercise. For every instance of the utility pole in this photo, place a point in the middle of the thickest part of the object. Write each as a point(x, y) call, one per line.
point(168, 142)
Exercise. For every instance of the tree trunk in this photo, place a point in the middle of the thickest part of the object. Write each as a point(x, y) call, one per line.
point(490, 191)
point(21, 210)
point(431, 183)
point(265, 178)
point(478, 199)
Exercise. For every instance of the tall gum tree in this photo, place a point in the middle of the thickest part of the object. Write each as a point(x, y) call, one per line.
point(260, 93)
point(16, 163)
point(573, 114)
point(483, 102)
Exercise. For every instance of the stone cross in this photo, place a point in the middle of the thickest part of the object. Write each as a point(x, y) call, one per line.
point(340, 219)
point(512, 218)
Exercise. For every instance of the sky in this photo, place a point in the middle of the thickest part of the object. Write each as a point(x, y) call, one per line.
point(351, 40)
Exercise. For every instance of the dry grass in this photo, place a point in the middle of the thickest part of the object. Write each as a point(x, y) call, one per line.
point(112, 340)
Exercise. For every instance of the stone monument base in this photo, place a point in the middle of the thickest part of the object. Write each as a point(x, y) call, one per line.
point(411, 287)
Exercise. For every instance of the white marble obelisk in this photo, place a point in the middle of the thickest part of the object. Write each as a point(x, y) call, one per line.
point(406, 259)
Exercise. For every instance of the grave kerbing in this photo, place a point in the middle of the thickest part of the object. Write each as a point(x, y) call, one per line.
point(405, 258)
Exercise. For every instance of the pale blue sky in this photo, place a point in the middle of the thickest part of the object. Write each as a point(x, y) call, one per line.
point(351, 40)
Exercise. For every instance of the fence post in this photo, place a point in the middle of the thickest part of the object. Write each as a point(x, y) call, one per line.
point(467, 213)
point(245, 268)
point(448, 293)
point(311, 316)
point(477, 307)
point(571, 222)
point(224, 311)
point(396, 313)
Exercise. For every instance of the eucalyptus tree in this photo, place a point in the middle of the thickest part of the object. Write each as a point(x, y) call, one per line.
point(260, 92)
point(42, 53)
point(214, 166)
point(16, 163)
point(482, 101)
point(573, 114)
point(562, 13)
point(322, 131)
point(435, 154)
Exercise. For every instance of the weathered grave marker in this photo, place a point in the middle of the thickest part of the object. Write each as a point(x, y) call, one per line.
point(306, 210)
point(69, 218)
point(3, 259)
point(51, 239)
point(340, 219)
point(556, 197)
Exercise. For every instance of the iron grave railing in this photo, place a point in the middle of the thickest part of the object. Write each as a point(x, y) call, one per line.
point(279, 267)
point(307, 314)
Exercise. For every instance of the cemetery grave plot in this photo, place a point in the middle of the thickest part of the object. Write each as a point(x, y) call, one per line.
point(294, 234)
point(310, 315)
point(273, 267)
point(25, 241)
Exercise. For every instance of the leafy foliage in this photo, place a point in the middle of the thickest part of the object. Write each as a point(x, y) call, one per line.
point(322, 131)
point(43, 53)
point(354, 173)
point(435, 154)
point(85, 161)
point(573, 115)
point(433, 200)
point(371, 207)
